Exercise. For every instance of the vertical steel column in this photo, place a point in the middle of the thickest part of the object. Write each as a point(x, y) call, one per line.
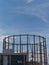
point(20, 43)
point(44, 50)
point(32, 53)
point(8, 43)
point(34, 50)
point(17, 48)
point(40, 51)
point(27, 47)
point(4, 44)
point(45, 53)
point(37, 53)
point(13, 42)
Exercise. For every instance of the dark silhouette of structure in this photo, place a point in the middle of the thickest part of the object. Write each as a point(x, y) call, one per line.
point(31, 47)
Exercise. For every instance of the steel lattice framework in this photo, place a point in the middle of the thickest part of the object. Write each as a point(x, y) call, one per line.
point(33, 45)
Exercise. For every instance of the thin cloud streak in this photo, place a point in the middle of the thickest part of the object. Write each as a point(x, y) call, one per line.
point(40, 11)
point(28, 1)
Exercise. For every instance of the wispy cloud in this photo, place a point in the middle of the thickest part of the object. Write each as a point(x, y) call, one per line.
point(41, 11)
point(28, 1)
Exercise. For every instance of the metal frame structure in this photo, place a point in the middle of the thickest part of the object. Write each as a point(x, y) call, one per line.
point(33, 45)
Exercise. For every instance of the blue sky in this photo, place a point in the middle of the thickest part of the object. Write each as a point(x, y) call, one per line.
point(24, 16)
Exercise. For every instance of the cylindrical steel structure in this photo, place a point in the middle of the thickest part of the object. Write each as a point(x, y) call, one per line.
point(33, 45)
